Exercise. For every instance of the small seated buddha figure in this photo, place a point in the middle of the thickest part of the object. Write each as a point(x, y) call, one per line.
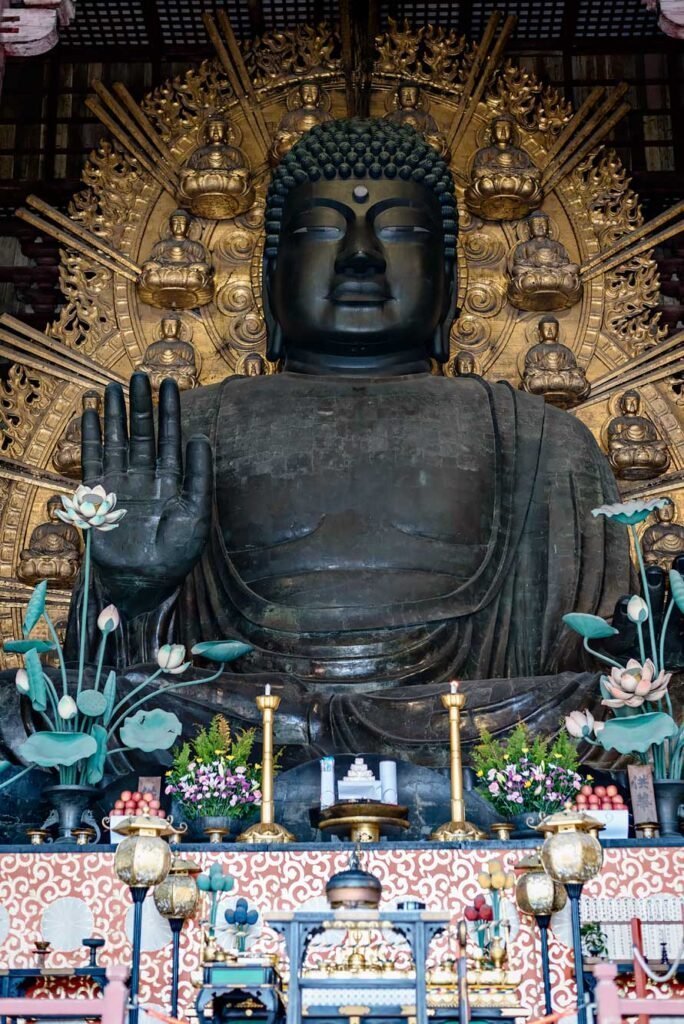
point(66, 457)
point(505, 184)
point(409, 111)
point(296, 122)
point(542, 276)
point(663, 540)
point(216, 181)
point(170, 356)
point(551, 369)
point(463, 365)
point(53, 552)
point(254, 365)
point(634, 449)
point(178, 273)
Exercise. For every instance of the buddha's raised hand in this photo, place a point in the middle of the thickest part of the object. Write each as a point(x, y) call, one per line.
point(168, 514)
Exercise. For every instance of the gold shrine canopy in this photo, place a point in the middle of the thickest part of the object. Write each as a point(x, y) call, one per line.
point(181, 296)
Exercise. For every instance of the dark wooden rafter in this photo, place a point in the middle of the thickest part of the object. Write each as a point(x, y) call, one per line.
point(359, 26)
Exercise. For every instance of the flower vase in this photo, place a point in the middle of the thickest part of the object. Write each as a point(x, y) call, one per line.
point(669, 795)
point(524, 825)
point(70, 805)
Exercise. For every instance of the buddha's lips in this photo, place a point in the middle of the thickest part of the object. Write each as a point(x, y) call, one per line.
point(359, 291)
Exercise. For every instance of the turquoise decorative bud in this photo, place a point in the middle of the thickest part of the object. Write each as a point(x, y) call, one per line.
point(221, 650)
point(151, 730)
point(52, 749)
point(591, 627)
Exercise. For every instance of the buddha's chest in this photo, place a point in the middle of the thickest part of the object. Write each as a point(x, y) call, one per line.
point(341, 466)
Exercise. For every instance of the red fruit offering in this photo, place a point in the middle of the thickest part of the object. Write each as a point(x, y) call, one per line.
point(618, 800)
point(586, 790)
point(126, 795)
point(119, 805)
point(606, 805)
point(154, 805)
point(161, 813)
point(600, 790)
point(137, 797)
point(147, 798)
point(486, 913)
point(611, 790)
point(581, 800)
point(471, 913)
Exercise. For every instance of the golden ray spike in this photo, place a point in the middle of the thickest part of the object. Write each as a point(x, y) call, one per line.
point(139, 136)
point(127, 142)
point(643, 488)
point(227, 65)
point(569, 165)
point(640, 360)
point(146, 125)
point(15, 594)
point(52, 345)
point(243, 74)
point(490, 66)
point(627, 240)
point(478, 60)
point(83, 233)
point(73, 374)
point(14, 470)
point(560, 158)
point(628, 252)
point(630, 380)
point(638, 374)
point(55, 353)
point(577, 118)
point(46, 228)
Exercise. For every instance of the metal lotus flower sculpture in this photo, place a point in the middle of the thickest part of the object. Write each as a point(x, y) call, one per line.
point(79, 710)
point(637, 693)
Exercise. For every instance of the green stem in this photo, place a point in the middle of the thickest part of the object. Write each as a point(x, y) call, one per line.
point(136, 689)
point(601, 657)
point(100, 660)
point(663, 631)
point(15, 777)
point(84, 612)
point(60, 654)
point(52, 694)
point(647, 596)
point(158, 693)
point(642, 649)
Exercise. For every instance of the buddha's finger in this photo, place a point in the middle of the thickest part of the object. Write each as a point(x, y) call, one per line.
point(142, 455)
point(115, 430)
point(91, 447)
point(169, 463)
point(199, 472)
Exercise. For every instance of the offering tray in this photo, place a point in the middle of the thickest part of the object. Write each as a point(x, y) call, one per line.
point(364, 821)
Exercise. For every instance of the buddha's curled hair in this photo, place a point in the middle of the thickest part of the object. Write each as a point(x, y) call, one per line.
point(360, 148)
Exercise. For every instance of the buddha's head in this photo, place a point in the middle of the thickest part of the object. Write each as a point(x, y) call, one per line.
point(170, 326)
point(548, 329)
point(464, 364)
point(179, 222)
point(91, 400)
point(310, 94)
point(359, 263)
point(216, 130)
point(502, 131)
point(539, 224)
point(630, 403)
point(667, 513)
point(54, 504)
point(407, 96)
point(253, 365)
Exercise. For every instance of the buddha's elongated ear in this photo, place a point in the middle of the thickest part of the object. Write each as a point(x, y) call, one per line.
point(440, 344)
point(274, 334)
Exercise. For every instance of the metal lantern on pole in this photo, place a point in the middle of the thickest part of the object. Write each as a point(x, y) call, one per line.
point(537, 894)
point(177, 898)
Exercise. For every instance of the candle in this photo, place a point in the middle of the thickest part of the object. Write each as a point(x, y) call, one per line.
point(388, 782)
point(454, 685)
point(268, 690)
point(327, 782)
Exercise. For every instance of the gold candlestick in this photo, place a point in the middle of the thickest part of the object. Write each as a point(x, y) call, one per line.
point(267, 830)
point(458, 828)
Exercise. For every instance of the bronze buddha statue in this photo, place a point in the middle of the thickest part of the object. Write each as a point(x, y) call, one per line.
point(635, 451)
point(178, 273)
point(216, 181)
point(66, 457)
point(551, 369)
point(410, 112)
point(53, 552)
point(542, 276)
point(663, 540)
point(296, 122)
point(504, 184)
point(170, 356)
point(368, 527)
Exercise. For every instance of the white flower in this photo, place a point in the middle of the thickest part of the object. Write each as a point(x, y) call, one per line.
point(629, 513)
point(67, 708)
point(22, 680)
point(91, 507)
point(637, 609)
point(580, 724)
point(108, 619)
point(171, 658)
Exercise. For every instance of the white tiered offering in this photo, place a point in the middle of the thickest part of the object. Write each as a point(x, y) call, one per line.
point(359, 783)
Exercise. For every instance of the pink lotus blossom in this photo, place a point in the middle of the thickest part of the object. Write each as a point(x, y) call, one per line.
point(629, 687)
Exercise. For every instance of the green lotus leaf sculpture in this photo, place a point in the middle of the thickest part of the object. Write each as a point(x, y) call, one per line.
point(677, 588)
point(35, 607)
point(52, 749)
point(23, 646)
point(110, 697)
point(37, 690)
point(151, 730)
point(591, 627)
point(221, 650)
point(96, 762)
point(91, 703)
point(636, 734)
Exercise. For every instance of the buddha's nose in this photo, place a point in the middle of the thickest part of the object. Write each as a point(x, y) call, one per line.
point(361, 253)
